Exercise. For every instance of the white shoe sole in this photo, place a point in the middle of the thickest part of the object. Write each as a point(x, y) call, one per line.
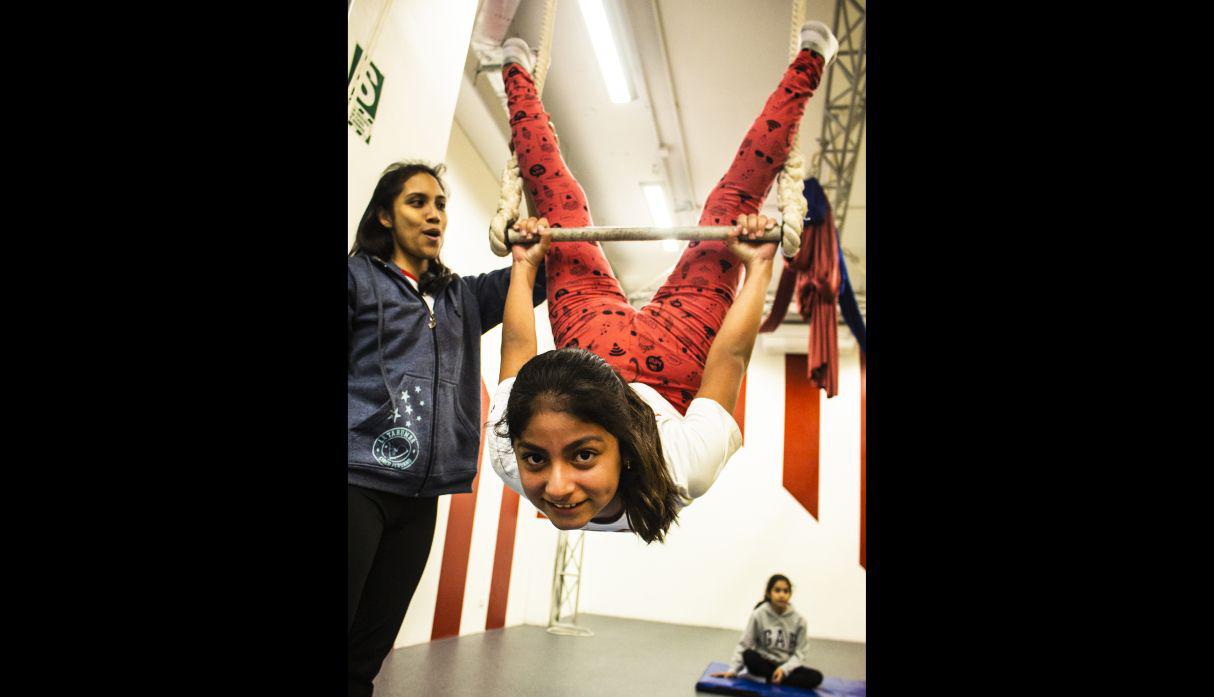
point(515, 50)
point(817, 37)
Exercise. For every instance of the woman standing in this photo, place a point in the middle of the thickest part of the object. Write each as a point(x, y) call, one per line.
point(413, 400)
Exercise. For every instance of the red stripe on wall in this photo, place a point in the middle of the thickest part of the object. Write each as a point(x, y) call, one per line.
point(863, 465)
point(503, 559)
point(453, 573)
point(739, 409)
point(801, 406)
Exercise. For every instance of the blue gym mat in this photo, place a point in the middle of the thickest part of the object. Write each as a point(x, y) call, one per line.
point(830, 687)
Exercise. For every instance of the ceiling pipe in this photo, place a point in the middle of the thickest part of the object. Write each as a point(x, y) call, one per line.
point(684, 202)
point(492, 22)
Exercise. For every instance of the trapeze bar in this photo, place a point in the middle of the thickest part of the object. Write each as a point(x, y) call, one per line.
point(630, 234)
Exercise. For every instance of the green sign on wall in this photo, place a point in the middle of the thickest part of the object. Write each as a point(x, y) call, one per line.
point(365, 84)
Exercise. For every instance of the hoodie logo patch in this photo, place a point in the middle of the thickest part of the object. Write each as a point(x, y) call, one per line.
point(396, 448)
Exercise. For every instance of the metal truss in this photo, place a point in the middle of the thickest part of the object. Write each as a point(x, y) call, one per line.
point(567, 585)
point(843, 123)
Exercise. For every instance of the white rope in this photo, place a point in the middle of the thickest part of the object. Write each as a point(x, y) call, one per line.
point(791, 196)
point(791, 183)
point(510, 196)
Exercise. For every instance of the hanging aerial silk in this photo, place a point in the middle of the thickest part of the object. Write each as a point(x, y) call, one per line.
point(816, 275)
point(849, 306)
point(817, 292)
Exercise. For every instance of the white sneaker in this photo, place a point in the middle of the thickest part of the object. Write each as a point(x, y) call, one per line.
point(818, 38)
point(515, 50)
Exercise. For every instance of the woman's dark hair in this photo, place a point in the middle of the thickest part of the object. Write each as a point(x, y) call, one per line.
point(771, 583)
point(581, 384)
point(375, 239)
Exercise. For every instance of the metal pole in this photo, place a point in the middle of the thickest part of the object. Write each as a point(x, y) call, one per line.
point(566, 584)
point(558, 564)
point(621, 234)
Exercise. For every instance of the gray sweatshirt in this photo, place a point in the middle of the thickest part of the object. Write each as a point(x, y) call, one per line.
point(781, 639)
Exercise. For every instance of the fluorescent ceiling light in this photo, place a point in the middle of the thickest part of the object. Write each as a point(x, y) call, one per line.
point(619, 88)
point(655, 196)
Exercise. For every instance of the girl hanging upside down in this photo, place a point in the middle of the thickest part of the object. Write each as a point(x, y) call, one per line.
point(630, 418)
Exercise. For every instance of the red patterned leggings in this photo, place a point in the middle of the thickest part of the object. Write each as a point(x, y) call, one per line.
point(663, 345)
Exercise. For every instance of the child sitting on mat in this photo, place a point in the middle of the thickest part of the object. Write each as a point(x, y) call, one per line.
point(630, 419)
point(774, 641)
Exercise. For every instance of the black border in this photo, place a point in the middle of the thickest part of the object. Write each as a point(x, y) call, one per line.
point(233, 407)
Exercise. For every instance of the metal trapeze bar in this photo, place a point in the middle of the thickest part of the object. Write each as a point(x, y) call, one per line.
point(624, 233)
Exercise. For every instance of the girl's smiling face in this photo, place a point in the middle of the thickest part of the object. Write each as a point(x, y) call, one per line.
point(569, 469)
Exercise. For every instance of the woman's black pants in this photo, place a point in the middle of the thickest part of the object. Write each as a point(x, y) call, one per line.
point(387, 542)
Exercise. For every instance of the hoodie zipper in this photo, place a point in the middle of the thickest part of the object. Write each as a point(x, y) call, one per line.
point(433, 400)
point(434, 392)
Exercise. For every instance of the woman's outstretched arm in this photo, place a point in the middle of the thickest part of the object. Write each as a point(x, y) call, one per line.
point(518, 319)
point(730, 351)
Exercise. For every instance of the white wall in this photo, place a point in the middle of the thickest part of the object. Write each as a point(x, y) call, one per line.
point(420, 48)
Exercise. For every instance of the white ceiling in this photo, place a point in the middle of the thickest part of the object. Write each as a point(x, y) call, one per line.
point(702, 71)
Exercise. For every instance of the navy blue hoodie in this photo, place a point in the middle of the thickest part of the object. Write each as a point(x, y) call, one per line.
point(414, 383)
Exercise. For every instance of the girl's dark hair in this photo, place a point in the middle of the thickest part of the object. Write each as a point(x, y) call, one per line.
point(581, 384)
point(771, 583)
point(375, 239)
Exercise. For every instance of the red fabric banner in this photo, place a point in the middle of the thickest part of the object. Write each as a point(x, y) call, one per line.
point(453, 573)
point(503, 560)
point(818, 295)
point(863, 464)
point(801, 411)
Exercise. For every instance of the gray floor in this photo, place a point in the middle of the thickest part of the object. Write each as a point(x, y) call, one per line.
point(623, 658)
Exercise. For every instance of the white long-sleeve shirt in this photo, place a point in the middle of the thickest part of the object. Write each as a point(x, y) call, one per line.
point(696, 446)
point(781, 639)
